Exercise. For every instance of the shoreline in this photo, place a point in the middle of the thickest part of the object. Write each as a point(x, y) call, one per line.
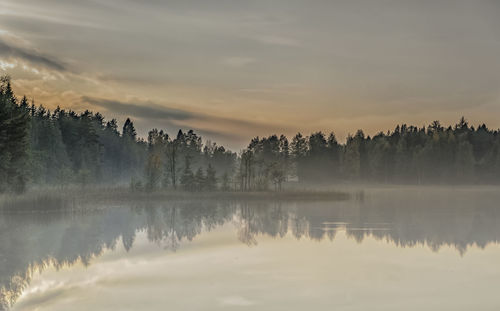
point(74, 198)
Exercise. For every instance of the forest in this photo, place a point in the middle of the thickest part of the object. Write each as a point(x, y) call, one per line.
point(39, 147)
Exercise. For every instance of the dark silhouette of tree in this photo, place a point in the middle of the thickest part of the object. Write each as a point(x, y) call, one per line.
point(61, 147)
point(409, 154)
point(298, 154)
point(334, 151)
point(129, 132)
point(14, 143)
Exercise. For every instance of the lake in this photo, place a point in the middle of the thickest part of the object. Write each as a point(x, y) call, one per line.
point(397, 248)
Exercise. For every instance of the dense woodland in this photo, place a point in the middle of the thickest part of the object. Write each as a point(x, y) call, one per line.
point(61, 147)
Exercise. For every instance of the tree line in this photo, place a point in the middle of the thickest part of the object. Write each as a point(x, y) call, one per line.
point(59, 147)
point(43, 147)
point(434, 154)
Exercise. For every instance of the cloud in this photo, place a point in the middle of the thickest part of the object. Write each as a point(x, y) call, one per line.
point(29, 55)
point(149, 79)
point(238, 61)
point(51, 14)
point(6, 65)
point(146, 110)
point(152, 111)
point(150, 115)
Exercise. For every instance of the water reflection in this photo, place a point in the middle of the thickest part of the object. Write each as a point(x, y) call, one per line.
point(32, 241)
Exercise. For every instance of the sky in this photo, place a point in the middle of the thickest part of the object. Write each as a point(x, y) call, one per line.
point(233, 69)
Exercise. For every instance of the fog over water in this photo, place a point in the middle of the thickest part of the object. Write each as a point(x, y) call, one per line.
point(386, 249)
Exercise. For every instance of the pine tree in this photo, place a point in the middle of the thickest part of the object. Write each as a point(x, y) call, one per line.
point(334, 151)
point(299, 152)
point(129, 130)
point(131, 159)
point(14, 143)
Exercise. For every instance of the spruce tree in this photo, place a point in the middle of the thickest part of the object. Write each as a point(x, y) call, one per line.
point(14, 143)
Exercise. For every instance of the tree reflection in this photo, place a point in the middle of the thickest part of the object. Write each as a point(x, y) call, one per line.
point(32, 242)
point(261, 218)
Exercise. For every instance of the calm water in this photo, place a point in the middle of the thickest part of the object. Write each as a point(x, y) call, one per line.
point(399, 249)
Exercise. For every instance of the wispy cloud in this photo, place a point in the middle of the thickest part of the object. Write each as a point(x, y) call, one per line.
point(153, 115)
point(6, 65)
point(32, 56)
point(50, 14)
point(152, 111)
point(146, 110)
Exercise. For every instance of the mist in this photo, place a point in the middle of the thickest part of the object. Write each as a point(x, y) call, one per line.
point(452, 223)
point(259, 155)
